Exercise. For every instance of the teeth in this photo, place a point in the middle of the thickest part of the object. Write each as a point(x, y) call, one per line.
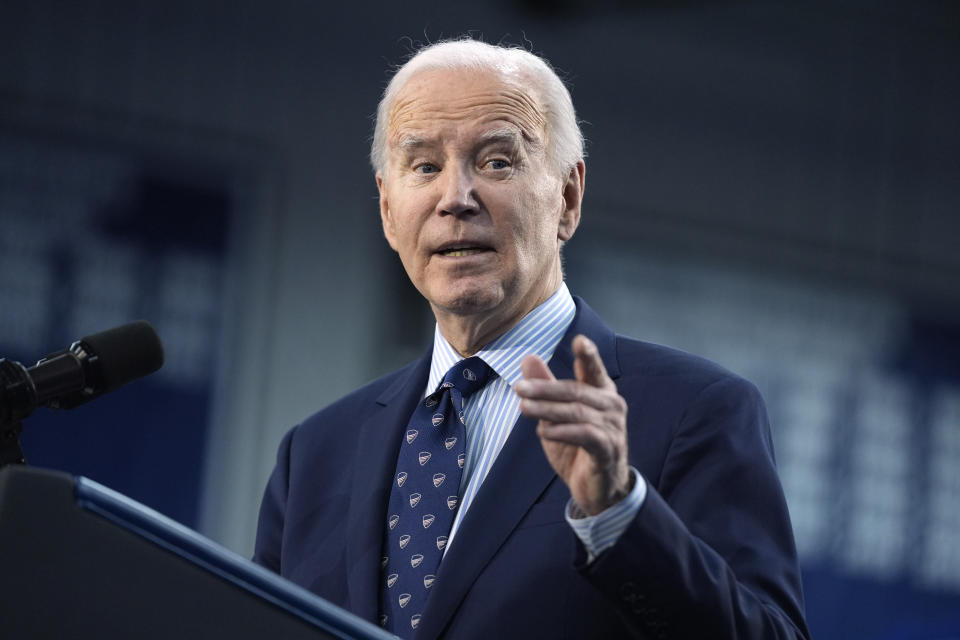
point(459, 253)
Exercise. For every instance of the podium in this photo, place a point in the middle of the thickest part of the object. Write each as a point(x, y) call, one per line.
point(78, 560)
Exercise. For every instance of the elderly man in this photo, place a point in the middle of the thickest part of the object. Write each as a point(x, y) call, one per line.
point(622, 490)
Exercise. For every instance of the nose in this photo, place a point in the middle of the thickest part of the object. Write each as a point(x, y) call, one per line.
point(458, 194)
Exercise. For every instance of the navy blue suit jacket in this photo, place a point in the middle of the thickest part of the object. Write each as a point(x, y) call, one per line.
point(709, 555)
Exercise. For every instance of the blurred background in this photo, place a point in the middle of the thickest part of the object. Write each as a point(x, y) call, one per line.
point(773, 185)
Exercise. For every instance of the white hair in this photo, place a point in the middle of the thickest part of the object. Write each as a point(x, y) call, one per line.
point(564, 141)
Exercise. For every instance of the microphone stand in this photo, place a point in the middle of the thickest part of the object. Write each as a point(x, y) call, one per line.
point(10, 451)
point(15, 385)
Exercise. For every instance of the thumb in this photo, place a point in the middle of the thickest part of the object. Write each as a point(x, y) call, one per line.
point(534, 368)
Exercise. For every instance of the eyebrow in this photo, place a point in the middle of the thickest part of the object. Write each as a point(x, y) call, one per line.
point(410, 142)
point(503, 134)
point(509, 135)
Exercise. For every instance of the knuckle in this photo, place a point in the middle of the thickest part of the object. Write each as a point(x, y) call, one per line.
point(576, 393)
point(619, 403)
point(579, 413)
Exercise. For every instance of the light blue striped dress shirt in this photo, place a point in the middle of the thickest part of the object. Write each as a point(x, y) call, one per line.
point(491, 414)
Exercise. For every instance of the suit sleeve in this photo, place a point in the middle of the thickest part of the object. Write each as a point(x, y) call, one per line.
point(267, 548)
point(710, 553)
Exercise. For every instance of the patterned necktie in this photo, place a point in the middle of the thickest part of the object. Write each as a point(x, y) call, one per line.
point(424, 496)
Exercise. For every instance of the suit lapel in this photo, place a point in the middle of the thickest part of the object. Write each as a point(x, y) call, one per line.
point(518, 477)
point(374, 463)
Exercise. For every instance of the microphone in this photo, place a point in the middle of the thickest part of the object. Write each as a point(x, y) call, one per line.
point(92, 366)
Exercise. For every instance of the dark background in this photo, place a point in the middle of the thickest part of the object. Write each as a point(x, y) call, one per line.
point(772, 185)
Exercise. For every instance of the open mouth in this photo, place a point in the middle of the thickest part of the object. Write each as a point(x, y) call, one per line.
point(462, 251)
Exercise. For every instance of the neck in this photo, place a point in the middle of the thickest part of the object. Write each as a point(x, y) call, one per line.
point(468, 333)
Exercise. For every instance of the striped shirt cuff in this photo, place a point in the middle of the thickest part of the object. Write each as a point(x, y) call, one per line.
point(600, 532)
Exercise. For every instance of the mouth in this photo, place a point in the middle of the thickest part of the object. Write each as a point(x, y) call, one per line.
point(462, 250)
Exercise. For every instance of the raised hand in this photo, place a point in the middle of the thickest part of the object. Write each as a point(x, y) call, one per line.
point(582, 426)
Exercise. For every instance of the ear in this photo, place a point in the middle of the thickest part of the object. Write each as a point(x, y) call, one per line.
point(573, 187)
point(389, 232)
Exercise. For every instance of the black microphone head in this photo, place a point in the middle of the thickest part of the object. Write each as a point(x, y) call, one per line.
point(124, 353)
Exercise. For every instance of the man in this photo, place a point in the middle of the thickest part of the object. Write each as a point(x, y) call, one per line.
point(636, 495)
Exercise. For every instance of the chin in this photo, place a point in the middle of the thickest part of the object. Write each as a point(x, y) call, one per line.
point(470, 301)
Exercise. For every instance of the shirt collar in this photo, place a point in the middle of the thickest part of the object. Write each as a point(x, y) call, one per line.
point(539, 332)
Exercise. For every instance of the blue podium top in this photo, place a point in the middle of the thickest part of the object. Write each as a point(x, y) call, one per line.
point(219, 560)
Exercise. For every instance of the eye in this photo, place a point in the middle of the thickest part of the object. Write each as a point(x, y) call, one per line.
point(498, 164)
point(426, 167)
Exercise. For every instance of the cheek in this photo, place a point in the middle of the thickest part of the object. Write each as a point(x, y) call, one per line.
point(406, 220)
point(538, 222)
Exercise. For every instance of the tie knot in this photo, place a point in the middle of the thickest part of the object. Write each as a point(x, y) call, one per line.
point(467, 376)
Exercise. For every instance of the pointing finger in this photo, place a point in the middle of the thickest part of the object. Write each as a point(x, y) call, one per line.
point(587, 365)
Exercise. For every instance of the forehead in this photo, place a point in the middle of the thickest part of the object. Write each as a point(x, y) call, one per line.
point(439, 103)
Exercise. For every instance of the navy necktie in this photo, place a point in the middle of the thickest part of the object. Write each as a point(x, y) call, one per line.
point(424, 497)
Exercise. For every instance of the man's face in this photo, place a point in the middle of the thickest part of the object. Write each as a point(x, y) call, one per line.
point(469, 199)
